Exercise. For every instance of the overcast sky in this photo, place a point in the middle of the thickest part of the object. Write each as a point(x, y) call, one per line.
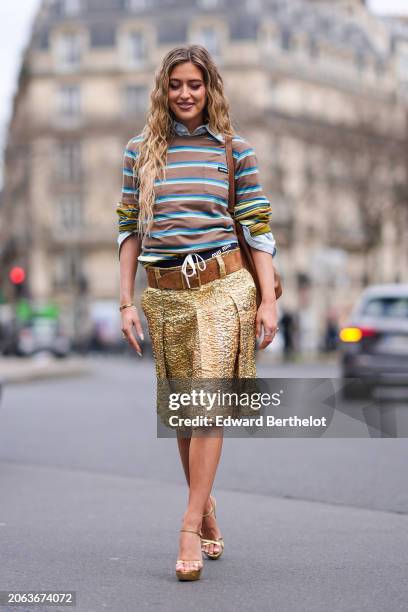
point(15, 23)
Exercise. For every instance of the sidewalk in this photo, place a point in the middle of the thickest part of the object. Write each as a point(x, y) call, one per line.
point(23, 369)
point(42, 366)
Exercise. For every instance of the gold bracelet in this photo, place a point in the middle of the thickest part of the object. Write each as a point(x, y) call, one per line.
point(126, 306)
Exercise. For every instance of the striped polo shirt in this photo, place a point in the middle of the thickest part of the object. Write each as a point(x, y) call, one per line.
point(191, 203)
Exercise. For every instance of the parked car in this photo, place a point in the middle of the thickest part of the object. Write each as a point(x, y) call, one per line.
point(374, 343)
point(41, 334)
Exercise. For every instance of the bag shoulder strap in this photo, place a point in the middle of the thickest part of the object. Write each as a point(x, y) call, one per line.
point(231, 174)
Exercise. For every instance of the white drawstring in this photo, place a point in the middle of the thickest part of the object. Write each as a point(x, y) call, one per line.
point(189, 261)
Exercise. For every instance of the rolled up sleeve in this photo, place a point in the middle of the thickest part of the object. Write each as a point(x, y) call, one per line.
point(252, 207)
point(127, 208)
point(264, 242)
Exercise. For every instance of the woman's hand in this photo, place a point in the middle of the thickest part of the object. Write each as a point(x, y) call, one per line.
point(130, 319)
point(266, 319)
point(267, 314)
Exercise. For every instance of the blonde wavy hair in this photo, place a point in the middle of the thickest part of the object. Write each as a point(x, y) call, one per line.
point(157, 134)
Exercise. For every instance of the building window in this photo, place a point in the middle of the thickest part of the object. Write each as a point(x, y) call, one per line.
point(360, 61)
point(135, 100)
point(66, 8)
point(286, 40)
point(314, 48)
point(174, 31)
point(102, 35)
point(69, 214)
point(208, 37)
point(136, 47)
point(403, 65)
point(379, 68)
point(71, 7)
point(137, 5)
point(277, 176)
point(68, 51)
point(269, 38)
point(208, 4)
point(41, 39)
point(69, 102)
point(69, 161)
point(310, 174)
point(254, 6)
point(68, 268)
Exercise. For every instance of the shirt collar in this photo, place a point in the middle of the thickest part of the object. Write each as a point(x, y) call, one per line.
point(182, 130)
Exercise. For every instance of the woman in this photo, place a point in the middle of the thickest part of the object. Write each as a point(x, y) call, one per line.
point(200, 304)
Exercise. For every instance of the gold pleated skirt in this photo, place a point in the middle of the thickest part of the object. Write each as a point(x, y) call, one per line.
point(203, 333)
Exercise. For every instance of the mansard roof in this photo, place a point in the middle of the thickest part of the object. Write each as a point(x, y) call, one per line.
point(320, 23)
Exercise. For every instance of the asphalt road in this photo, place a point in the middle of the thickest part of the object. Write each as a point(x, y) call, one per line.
point(92, 502)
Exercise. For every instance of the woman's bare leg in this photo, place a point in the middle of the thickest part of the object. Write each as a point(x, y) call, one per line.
point(184, 450)
point(204, 453)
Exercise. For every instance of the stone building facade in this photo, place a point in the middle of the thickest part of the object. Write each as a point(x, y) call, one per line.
point(324, 103)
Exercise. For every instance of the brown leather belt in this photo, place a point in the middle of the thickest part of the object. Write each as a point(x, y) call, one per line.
point(216, 267)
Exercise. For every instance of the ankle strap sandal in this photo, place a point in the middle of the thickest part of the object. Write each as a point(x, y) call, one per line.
point(219, 541)
point(192, 574)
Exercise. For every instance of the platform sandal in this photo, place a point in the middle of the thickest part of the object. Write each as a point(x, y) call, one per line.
point(193, 574)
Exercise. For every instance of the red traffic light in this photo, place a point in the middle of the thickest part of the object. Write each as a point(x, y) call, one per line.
point(17, 275)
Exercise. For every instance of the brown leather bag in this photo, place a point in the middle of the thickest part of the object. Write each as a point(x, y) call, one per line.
point(244, 246)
